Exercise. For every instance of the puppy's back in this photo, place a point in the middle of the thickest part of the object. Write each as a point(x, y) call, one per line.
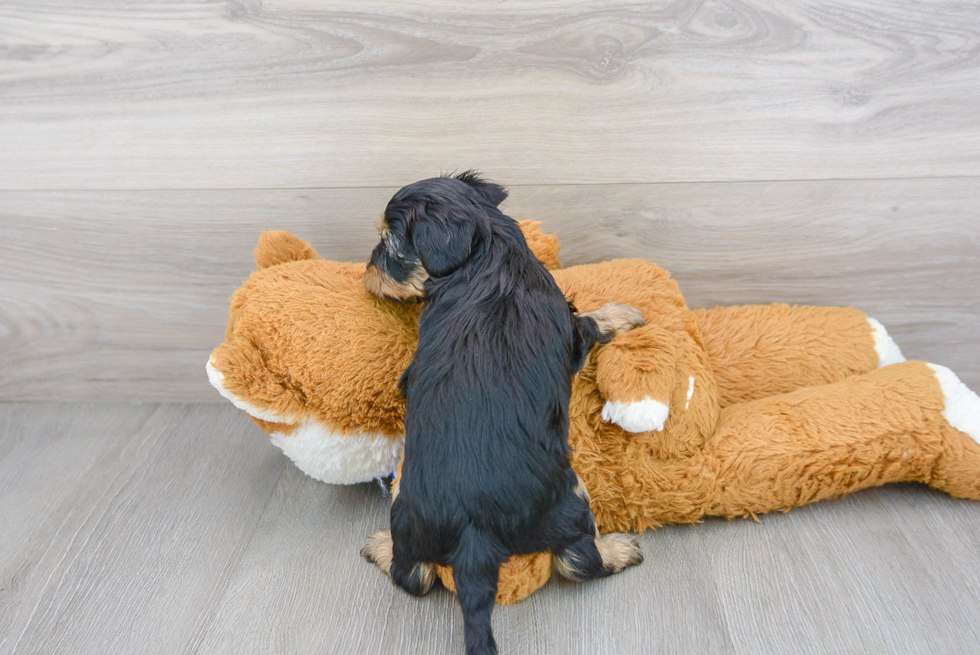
point(487, 392)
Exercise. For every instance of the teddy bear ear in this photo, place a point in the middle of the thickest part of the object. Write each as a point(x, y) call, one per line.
point(544, 246)
point(278, 247)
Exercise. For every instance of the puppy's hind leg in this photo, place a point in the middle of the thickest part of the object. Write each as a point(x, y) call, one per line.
point(377, 550)
point(581, 553)
point(416, 578)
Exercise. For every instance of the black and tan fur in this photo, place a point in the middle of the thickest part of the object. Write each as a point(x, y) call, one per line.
point(486, 472)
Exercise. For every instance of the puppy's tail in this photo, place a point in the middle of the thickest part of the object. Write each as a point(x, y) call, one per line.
point(476, 568)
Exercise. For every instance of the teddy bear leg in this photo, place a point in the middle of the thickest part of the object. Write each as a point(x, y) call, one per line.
point(897, 423)
point(758, 351)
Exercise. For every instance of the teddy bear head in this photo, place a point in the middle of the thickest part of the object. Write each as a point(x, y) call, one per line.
point(315, 359)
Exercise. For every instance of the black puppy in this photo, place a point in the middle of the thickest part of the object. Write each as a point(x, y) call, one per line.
point(486, 471)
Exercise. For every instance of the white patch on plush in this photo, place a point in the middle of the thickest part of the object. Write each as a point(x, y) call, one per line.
point(888, 351)
point(320, 452)
point(690, 392)
point(644, 415)
point(962, 405)
point(338, 458)
point(217, 378)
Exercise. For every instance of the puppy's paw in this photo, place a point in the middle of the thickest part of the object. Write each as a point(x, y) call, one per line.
point(615, 318)
point(619, 550)
point(377, 550)
point(420, 580)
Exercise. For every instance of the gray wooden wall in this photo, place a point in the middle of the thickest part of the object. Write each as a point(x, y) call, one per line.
point(815, 152)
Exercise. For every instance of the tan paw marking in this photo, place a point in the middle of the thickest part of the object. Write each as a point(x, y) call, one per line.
point(427, 577)
point(619, 550)
point(616, 318)
point(377, 550)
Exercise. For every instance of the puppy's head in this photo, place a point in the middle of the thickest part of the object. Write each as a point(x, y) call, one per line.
point(429, 229)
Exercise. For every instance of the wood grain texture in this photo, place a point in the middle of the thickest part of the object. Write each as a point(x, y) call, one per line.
point(45, 452)
point(137, 556)
point(302, 588)
point(123, 295)
point(854, 575)
point(184, 532)
point(246, 94)
point(954, 526)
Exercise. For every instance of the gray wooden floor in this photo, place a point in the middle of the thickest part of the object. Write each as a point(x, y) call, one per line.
point(822, 152)
point(176, 528)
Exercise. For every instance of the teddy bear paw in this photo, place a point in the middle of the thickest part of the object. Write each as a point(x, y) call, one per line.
point(645, 415)
point(962, 405)
point(888, 351)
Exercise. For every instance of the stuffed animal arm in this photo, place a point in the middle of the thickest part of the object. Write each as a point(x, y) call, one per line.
point(636, 373)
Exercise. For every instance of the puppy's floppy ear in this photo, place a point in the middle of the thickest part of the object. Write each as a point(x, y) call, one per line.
point(442, 243)
point(492, 193)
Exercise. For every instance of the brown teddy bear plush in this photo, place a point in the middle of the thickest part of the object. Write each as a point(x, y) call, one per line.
point(726, 412)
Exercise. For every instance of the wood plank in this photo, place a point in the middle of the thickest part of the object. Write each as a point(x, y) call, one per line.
point(668, 604)
point(45, 451)
point(955, 525)
point(302, 587)
point(849, 575)
point(182, 531)
point(137, 557)
point(131, 292)
point(106, 94)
